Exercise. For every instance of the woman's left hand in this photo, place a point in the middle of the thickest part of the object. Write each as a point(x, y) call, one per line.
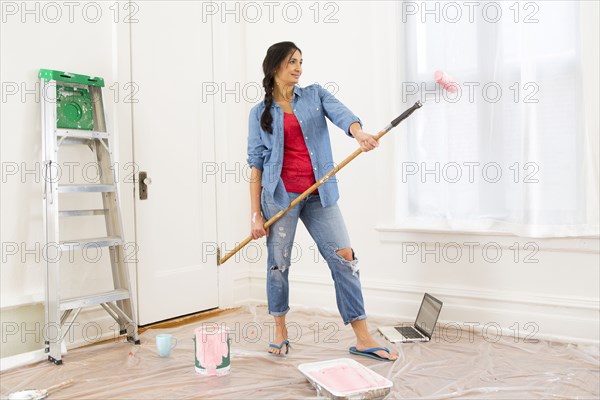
point(366, 141)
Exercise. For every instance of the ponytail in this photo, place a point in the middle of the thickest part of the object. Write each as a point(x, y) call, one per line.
point(266, 119)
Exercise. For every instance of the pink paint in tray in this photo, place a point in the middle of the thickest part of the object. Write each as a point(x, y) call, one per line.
point(345, 378)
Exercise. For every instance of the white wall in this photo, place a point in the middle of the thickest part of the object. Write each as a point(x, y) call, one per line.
point(231, 120)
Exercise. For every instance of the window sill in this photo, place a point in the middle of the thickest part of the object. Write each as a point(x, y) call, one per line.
point(398, 234)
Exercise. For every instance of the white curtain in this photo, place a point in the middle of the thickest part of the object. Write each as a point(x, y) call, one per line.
point(509, 151)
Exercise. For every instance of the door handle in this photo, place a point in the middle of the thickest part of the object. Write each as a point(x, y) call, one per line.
point(144, 181)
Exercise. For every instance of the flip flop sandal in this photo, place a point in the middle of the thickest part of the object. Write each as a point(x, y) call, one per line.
point(371, 353)
point(287, 347)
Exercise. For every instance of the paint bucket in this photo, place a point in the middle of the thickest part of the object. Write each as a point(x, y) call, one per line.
point(212, 347)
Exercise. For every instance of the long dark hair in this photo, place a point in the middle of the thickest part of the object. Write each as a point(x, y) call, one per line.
point(276, 54)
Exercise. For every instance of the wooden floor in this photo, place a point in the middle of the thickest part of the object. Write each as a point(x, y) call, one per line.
point(466, 366)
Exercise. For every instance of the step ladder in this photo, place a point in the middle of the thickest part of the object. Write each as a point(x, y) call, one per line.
point(72, 112)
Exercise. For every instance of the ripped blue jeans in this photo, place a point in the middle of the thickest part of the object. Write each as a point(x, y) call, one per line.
point(326, 226)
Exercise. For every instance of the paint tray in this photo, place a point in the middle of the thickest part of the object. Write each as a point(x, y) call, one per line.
point(344, 378)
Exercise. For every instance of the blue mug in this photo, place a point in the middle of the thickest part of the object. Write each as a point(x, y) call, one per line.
point(165, 343)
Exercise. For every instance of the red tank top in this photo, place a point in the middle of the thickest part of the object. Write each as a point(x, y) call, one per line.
point(297, 170)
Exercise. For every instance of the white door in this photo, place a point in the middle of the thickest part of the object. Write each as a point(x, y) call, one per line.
point(173, 135)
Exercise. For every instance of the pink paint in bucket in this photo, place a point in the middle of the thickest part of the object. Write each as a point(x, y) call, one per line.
point(212, 350)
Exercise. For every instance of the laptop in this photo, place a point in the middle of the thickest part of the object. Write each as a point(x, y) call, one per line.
point(422, 329)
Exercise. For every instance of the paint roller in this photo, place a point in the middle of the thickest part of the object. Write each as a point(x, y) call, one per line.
point(446, 81)
point(442, 78)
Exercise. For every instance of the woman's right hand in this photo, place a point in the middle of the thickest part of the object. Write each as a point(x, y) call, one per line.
point(257, 226)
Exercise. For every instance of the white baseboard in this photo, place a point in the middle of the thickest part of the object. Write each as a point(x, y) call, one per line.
point(31, 357)
point(555, 318)
point(94, 325)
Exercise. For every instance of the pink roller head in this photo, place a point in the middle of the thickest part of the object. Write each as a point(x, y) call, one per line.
point(445, 81)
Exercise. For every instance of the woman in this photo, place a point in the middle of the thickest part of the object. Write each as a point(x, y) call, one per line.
point(288, 149)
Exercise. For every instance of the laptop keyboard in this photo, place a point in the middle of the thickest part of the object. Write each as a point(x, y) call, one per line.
point(409, 332)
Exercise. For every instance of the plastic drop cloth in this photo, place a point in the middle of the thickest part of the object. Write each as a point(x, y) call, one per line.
point(472, 367)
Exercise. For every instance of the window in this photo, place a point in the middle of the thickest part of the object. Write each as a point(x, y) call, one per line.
point(506, 153)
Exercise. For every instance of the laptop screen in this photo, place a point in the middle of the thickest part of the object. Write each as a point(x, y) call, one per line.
point(428, 314)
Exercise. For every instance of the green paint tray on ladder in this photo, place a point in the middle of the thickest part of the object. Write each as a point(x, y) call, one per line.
point(74, 103)
point(73, 108)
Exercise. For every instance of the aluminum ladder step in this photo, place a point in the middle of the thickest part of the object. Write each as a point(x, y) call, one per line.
point(85, 188)
point(95, 242)
point(94, 299)
point(80, 134)
point(82, 213)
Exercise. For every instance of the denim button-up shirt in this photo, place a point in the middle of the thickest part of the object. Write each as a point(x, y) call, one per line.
point(265, 150)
